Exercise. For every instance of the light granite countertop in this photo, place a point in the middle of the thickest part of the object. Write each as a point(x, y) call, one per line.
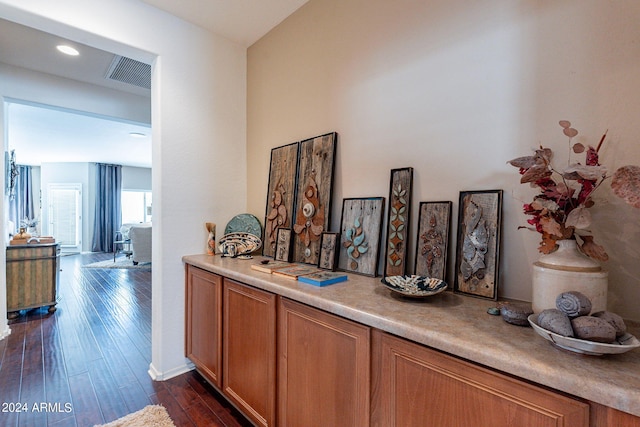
point(459, 325)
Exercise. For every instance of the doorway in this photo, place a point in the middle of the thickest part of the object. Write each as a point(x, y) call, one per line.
point(59, 91)
point(64, 219)
point(71, 121)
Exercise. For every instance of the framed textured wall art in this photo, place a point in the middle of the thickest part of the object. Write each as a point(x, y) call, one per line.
point(432, 244)
point(398, 221)
point(313, 196)
point(360, 234)
point(478, 247)
point(329, 248)
point(283, 245)
point(280, 194)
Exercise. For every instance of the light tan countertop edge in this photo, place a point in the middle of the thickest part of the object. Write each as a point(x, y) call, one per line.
point(458, 325)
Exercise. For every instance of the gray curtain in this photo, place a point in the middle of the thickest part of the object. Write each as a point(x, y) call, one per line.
point(21, 204)
point(108, 215)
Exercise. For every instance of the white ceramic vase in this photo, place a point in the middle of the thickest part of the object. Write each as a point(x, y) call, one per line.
point(568, 269)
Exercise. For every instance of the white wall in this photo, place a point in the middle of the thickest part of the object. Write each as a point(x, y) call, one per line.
point(198, 125)
point(134, 178)
point(455, 89)
point(22, 84)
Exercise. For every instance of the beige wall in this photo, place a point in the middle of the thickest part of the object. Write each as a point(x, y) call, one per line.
point(455, 89)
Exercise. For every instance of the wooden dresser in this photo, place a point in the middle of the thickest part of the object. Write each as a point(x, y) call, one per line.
point(33, 271)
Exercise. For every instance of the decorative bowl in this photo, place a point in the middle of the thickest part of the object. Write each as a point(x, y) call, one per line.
point(414, 286)
point(621, 345)
point(239, 244)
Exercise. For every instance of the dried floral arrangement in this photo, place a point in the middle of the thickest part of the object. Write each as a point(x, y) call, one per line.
point(561, 209)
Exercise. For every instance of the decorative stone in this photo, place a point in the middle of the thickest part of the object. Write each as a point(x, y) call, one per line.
point(593, 329)
point(516, 313)
point(614, 320)
point(556, 321)
point(573, 304)
point(494, 311)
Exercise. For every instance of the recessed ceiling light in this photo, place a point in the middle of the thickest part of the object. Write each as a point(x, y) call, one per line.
point(68, 50)
point(137, 134)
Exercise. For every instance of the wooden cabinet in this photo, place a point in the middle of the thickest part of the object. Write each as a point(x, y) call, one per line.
point(203, 341)
point(417, 386)
point(32, 276)
point(323, 368)
point(249, 351)
point(602, 416)
point(288, 364)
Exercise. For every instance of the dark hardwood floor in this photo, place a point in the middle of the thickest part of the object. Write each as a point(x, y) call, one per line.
point(87, 363)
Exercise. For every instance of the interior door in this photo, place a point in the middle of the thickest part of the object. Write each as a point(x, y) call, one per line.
point(65, 215)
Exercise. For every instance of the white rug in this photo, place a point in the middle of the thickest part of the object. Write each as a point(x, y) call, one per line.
point(149, 416)
point(120, 263)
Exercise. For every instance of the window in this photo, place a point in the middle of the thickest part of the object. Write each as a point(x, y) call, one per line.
point(136, 206)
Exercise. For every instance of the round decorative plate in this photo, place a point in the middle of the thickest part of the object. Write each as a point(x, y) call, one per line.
point(245, 223)
point(621, 345)
point(414, 286)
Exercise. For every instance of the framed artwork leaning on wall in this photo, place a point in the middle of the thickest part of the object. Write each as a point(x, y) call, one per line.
point(432, 243)
point(478, 247)
point(360, 231)
point(398, 222)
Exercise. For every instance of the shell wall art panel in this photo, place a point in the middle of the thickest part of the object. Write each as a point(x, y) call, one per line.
point(398, 222)
point(280, 194)
point(478, 248)
point(360, 235)
point(432, 245)
point(313, 196)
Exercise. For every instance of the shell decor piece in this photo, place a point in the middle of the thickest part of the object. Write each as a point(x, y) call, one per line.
point(311, 214)
point(239, 244)
point(310, 225)
point(414, 286)
point(355, 242)
point(432, 244)
point(475, 243)
point(281, 193)
point(277, 215)
point(478, 244)
point(397, 223)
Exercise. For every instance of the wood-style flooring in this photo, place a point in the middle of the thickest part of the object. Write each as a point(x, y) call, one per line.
point(87, 363)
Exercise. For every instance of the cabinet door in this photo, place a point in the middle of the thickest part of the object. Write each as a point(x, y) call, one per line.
point(203, 323)
point(417, 386)
point(602, 416)
point(323, 368)
point(249, 367)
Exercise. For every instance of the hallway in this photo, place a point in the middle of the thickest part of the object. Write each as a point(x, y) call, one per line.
point(87, 363)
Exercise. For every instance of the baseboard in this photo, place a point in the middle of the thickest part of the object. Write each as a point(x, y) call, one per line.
point(157, 375)
point(5, 332)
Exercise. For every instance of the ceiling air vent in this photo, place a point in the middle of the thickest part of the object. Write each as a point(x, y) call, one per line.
point(130, 71)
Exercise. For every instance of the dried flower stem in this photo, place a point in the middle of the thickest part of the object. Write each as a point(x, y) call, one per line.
point(601, 141)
